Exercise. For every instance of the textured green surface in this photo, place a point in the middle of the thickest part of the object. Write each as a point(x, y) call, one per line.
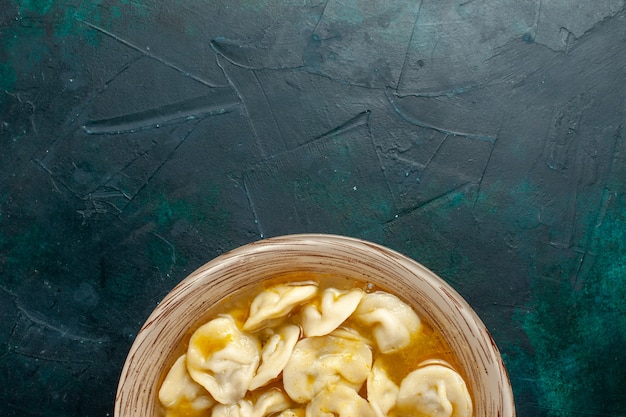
point(484, 140)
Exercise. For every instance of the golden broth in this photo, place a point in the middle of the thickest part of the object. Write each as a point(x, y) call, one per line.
point(425, 344)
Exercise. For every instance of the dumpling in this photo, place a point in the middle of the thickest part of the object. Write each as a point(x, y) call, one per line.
point(275, 354)
point(339, 401)
point(180, 392)
point(336, 306)
point(276, 302)
point(270, 402)
point(393, 322)
point(382, 392)
point(292, 412)
point(242, 408)
point(339, 358)
point(434, 391)
point(222, 359)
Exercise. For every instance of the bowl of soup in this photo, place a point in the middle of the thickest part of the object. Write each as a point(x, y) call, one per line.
point(313, 325)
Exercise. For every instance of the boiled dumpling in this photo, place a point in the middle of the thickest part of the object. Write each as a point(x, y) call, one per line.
point(179, 391)
point(335, 307)
point(242, 408)
point(271, 402)
point(275, 354)
point(393, 322)
point(382, 392)
point(434, 391)
point(276, 302)
point(292, 412)
point(222, 359)
point(339, 401)
point(339, 358)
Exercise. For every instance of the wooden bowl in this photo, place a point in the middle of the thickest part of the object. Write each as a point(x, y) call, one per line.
point(162, 334)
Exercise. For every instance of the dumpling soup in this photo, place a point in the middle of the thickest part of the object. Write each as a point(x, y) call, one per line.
point(307, 345)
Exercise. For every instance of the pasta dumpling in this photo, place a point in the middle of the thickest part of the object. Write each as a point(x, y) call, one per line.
point(382, 392)
point(335, 307)
point(292, 412)
point(222, 359)
point(242, 408)
point(270, 402)
point(277, 302)
point(339, 401)
point(434, 391)
point(310, 349)
point(339, 358)
point(393, 322)
point(275, 354)
point(180, 394)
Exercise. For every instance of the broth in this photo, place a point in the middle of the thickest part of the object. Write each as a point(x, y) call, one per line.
point(425, 344)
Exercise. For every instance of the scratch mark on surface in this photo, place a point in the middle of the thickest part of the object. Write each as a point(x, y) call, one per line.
point(360, 119)
point(170, 245)
point(439, 199)
point(226, 48)
point(434, 48)
point(561, 138)
point(391, 97)
point(54, 180)
point(104, 192)
point(321, 16)
point(535, 26)
point(435, 153)
point(92, 207)
point(104, 189)
point(408, 48)
point(89, 100)
point(44, 323)
point(106, 83)
point(617, 139)
point(381, 165)
point(244, 107)
point(8, 291)
point(607, 196)
point(564, 152)
point(270, 109)
point(408, 161)
point(165, 115)
point(511, 305)
point(14, 350)
point(149, 54)
point(253, 208)
point(576, 281)
point(482, 175)
point(565, 231)
point(95, 201)
point(115, 76)
point(607, 193)
point(165, 160)
point(446, 93)
point(246, 57)
point(112, 193)
point(120, 171)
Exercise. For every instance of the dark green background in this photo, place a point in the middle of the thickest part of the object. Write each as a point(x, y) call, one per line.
point(142, 138)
